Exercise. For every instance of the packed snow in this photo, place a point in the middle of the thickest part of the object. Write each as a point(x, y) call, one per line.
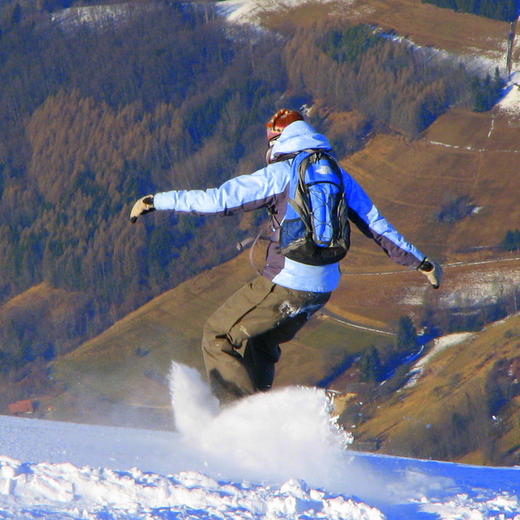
point(278, 455)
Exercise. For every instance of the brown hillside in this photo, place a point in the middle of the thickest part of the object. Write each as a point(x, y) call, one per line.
point(457, 409)
point(463, 154)
point(412, 181)
point(446, 29)
point(42, 312)
point(32, 318)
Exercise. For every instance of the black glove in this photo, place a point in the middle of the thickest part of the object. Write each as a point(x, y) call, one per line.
point(141, 207)
point(432, 271)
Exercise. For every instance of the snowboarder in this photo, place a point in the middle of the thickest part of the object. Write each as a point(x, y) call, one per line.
point(241, 339)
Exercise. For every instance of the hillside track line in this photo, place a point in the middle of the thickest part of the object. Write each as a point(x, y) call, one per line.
point(470, 148)
point(348, 323)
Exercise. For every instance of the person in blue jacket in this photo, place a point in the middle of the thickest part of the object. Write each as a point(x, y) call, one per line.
point(241, 339)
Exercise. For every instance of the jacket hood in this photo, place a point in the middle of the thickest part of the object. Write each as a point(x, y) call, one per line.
point(299, 136)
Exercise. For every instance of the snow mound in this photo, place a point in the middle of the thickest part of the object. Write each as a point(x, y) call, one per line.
point(274, 446)
point(34, 490)
point(271, 436)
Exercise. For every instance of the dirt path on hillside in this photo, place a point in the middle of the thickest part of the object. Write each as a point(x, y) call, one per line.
point(348, 323)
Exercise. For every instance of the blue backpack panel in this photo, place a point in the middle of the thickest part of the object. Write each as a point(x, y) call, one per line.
point(315, 230)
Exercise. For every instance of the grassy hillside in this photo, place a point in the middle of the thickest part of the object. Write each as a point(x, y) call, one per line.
point(463, 154)
point(32, 318)
point(462, 408)
point(446, 29)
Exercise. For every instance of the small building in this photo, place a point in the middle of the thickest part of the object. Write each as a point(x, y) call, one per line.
point(23, 407)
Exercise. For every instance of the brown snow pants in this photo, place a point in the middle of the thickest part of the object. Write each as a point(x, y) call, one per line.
point(241, 339)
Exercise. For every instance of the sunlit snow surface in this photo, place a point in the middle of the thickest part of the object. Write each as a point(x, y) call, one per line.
point(274, 456)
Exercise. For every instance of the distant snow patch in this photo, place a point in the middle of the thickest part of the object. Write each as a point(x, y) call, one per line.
point(251, 11)
point(439, 344)
point(481, 288)
point(98, 15)
point(510, 103)
point(470, 289)
point(476, 63)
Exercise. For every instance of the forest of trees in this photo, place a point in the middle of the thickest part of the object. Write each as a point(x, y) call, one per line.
point(511, 241)
point(355, 68)
point(497, 9)
point(456, 209)
point(95, 118)
point(92, 118)
point(486, 91)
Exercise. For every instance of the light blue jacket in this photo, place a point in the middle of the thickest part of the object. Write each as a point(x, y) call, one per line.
point(268, 188)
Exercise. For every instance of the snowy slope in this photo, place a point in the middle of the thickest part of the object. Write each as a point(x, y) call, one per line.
point(273, 456)
point(439, 344)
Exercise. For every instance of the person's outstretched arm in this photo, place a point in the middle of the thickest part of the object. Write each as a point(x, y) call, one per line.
point(364, 213)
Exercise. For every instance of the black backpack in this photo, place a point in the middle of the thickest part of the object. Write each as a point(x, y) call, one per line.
point(315, 230)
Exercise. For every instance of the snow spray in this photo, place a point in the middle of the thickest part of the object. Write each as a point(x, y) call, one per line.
point(270, 437)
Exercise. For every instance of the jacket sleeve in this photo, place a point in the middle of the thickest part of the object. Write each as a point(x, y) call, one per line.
point(363, 212)
point(243, 193)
